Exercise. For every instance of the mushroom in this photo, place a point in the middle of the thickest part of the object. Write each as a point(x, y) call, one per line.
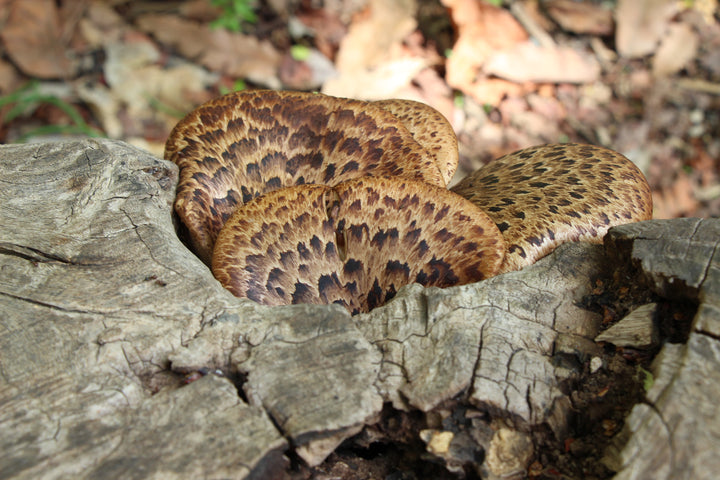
point(244, 144)
point(342, 201)
point(355, 243)
point(543, 196)
point(430, 129)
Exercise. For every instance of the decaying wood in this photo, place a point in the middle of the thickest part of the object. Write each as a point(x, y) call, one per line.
point(103, 311)
point(96, 291)
point(676, 435)
point(638, 329)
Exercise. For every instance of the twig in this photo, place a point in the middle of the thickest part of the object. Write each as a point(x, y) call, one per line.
point(699, 85)
point(533, 28)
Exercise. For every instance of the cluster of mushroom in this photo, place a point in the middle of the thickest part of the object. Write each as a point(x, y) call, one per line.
point(297, 197)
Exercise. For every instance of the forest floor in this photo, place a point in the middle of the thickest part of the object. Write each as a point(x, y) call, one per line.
point(640, 77)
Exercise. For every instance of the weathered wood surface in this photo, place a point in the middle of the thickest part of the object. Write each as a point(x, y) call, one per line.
point(96, 291)
point(103, 309)
point(676, 434)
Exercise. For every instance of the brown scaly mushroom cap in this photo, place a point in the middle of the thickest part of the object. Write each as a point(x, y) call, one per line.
point(430, 129)
point(244, 144)
point(354, 244)
point(543, 196)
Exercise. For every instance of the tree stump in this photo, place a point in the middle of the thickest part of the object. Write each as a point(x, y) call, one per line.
point(122, 357)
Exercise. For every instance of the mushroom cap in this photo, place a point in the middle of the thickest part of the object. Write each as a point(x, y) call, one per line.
point(244, 144)
point(430, 129)
point(354, 244)
point(543, 196)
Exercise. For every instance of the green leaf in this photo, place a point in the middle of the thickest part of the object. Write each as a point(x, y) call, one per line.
point(300, 52)
point(459, 100)
point(234, 12)
point(648, 378)
point(239, 85)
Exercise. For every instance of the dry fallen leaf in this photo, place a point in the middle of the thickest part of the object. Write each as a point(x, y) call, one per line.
point(429, 87)
point(711, 61)
point(677, 200)
point(233, 54)
point(370, 39)
point(482, 30)
point(384, 81)
point(146, 91)
point(677, 48)
point(199, 10)
point(104, 106)
point(375, 59)
point(580, 17)
point(101, 25)
point(34, 41)
point(641, 24)
point(9, 77)
point(527, 62)
point(326, 28)
point(310, 73)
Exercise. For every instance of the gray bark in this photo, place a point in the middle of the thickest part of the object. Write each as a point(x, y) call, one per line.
point(103, 311)
point(676, 434)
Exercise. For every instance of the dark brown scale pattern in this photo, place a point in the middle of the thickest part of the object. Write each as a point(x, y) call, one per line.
point(354, 244)
point(430, 128)
point(543, 196)
point(244, 144)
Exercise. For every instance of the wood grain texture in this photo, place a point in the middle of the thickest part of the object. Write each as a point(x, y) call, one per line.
point(96, 292)
point(354, 244)
point(676, 431)
point(543, 196)
point(244, 144)
point(100, 300)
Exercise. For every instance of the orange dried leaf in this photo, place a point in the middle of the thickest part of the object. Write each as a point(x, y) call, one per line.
point(34, 41)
